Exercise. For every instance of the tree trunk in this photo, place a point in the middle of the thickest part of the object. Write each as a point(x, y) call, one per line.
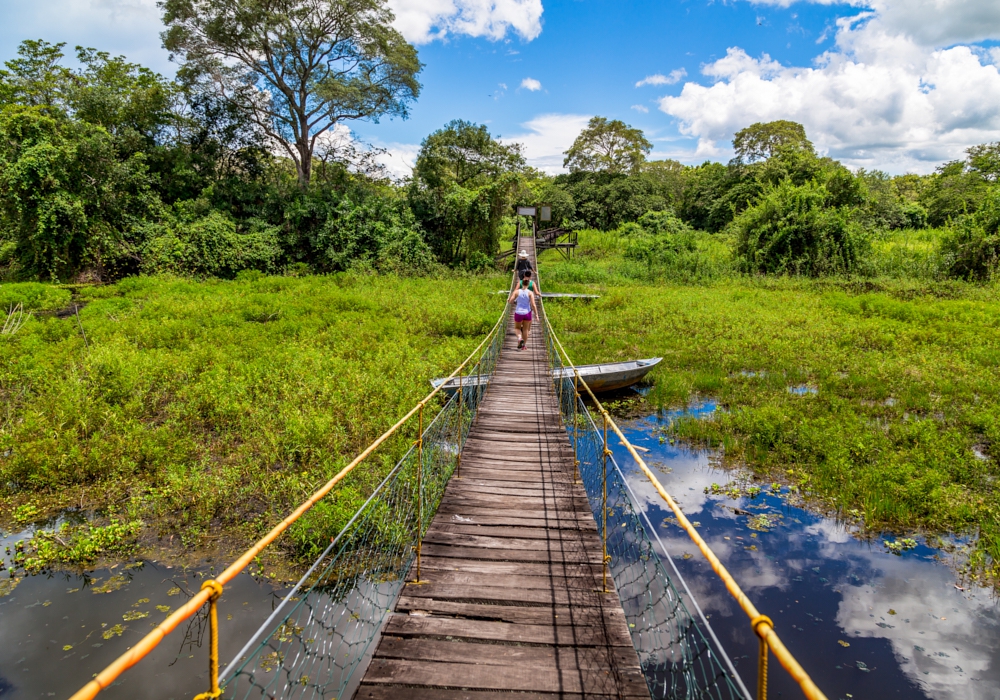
point(304, 167)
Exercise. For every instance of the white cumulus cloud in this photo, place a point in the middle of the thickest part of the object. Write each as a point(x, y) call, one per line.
point(673, 77)
point(547, 136)
point(422, 21)
point(880, 99)
point(929, 22)
point(641, 108)
point(531, 84)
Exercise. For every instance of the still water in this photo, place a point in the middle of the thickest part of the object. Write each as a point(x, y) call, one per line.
point(57, 631)
point(862, 621)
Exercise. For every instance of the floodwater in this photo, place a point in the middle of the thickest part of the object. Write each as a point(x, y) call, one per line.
point(57, 631)
point(862, 621)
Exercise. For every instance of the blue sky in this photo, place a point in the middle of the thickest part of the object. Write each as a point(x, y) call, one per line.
point(899, 85)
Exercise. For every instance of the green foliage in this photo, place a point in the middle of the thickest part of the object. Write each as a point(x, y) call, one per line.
point(973, 243)
point(762, 140)
point(80, 545)
point(606, 200)
point(319, 63)
point(66, 198)
point(792, 230)
point(465, 154)
point(466, 181)
point(34, 296)
point(208, 407)
point(210, 244)
point(951, 192)
point(607, 146)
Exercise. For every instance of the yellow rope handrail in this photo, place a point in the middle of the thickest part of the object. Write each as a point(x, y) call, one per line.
point(761, 624)
point(209, 593)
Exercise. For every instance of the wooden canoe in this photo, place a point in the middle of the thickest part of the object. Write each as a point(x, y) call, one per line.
point(607, 376)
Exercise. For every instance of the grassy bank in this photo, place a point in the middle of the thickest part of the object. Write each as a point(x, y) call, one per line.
point(208, 410)
point(903, 429)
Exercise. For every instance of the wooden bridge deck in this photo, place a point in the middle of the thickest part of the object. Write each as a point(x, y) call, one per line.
point(512, 605)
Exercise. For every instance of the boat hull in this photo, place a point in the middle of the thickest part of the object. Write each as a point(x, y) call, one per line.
point(600, 378)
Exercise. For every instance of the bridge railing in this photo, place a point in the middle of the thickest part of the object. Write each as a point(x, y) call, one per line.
point(322, 632)
point(679, 653)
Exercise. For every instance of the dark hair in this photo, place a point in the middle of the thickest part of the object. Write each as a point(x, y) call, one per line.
point(527, 273)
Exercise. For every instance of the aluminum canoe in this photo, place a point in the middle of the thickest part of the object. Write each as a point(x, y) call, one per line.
point(606, 376)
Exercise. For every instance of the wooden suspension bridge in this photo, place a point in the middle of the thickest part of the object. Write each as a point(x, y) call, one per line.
point(513, 597)
point(512, 593)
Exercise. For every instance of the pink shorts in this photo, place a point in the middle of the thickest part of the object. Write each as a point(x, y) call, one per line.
point(522, 317)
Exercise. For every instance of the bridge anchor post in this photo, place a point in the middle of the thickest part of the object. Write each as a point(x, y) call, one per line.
point(420, 491)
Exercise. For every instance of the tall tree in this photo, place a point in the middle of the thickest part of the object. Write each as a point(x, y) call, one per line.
point(299, 66)
point(36, 78)
point(466, 154)
point(762, 140)
point(465, 183)
point(610, 146)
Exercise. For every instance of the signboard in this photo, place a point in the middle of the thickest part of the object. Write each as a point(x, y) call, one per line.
point(546, 214)
point(525, 211)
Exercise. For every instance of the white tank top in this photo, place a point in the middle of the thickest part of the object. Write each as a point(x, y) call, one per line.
point(523, 302)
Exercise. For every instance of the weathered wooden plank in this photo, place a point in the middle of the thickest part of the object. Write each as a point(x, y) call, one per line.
point(439, 550)
point(513, 677)
point(535, 533)
point(532, 589)
point(502, 654)
point(486, 586)
point(561, 615)
point(406, 692)
point(524, 544)
point(508, 568)
point(569, 635)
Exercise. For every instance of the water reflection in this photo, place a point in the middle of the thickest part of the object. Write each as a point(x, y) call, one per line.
point(57, 631)
point(862, 621)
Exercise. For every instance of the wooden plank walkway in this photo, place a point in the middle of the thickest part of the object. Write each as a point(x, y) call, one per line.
point(512, 605)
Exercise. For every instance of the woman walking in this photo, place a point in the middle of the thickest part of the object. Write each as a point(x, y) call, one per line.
point(525, 305)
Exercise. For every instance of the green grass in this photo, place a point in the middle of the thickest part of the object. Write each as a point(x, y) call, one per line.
point(907, 372)
point(209, 409)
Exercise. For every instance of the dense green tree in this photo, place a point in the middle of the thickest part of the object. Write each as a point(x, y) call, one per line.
point(67, 198)
point(794, 229)
point(36, 78)
point(465, 154)
point(761, 140)
point(299, 67)
point(465, 182)
point(607, 146)
point(972, 246)
point(952, 191)
point(605, 200)
point(985, 160)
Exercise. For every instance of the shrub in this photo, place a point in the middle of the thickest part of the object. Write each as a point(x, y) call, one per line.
point(792, 229)
point(408, 255)
point(973, 243)
point(209, 245)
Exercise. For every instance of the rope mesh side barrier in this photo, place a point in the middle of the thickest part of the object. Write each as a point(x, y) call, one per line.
point(324, 629)
point(678, 652)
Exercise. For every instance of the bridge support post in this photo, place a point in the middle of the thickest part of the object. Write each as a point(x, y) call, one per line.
point(213, 641)
point(604, 506)
point(420, 490)
point(756, 623)
point(576, 429)
point(458, 442)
